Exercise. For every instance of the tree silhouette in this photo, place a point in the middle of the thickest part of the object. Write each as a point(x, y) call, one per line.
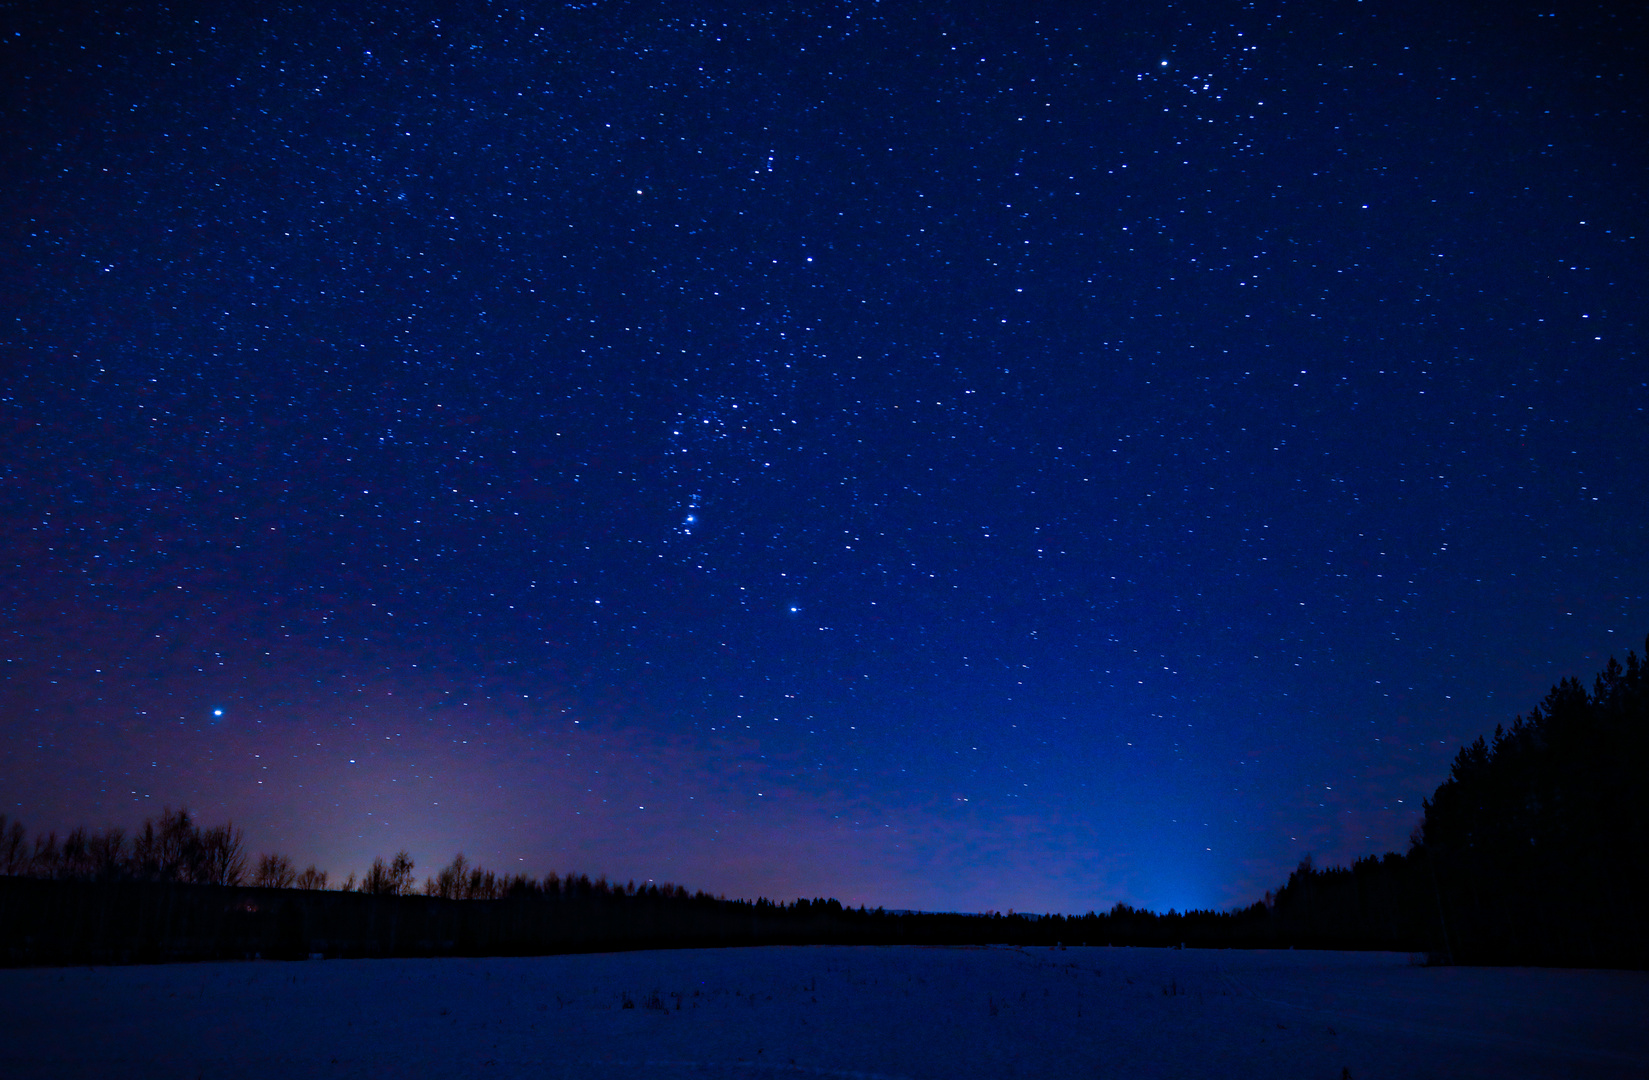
point(311, 878)
point(14, 848)
point(448, 882)
point(1534, 849)
point(389, 879)
point(108, 855)
point(274, 872)
point(43, 863)
point(220, 856)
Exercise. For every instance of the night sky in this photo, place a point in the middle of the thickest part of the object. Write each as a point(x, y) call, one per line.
point(1000, 456)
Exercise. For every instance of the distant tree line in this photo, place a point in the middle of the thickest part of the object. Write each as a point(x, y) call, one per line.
point(173, 849)
point(1534, 850)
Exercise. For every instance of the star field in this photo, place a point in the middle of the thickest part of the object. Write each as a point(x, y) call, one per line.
point(960, 459)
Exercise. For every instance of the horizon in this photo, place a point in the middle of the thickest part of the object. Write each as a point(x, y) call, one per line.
point(250, 873)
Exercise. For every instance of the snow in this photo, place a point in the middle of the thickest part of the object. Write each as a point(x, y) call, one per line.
point(828, 1012)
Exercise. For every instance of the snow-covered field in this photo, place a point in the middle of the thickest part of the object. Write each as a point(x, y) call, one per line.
point(830, 1012)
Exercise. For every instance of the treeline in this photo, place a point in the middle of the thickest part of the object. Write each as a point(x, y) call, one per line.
point(1535, 850)
point(65, 911)
point(80, 922)
point(174, 848)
